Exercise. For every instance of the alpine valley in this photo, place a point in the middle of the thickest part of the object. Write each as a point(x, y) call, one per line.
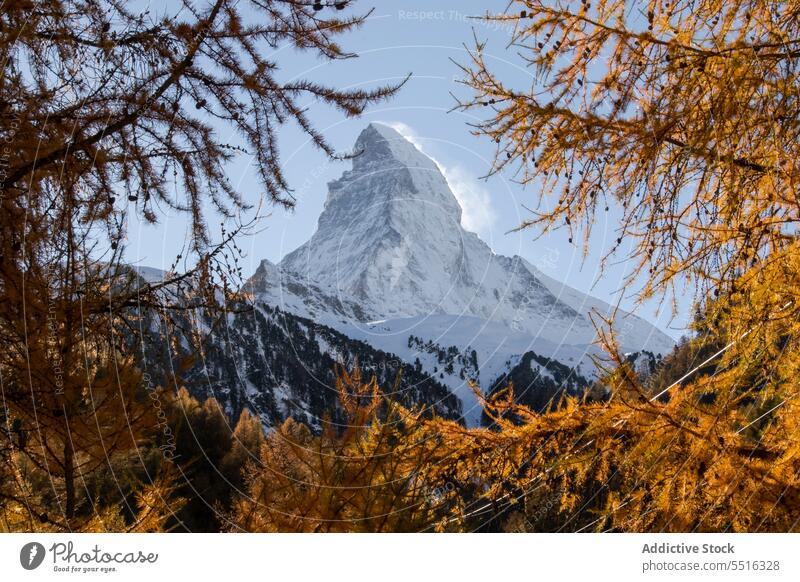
point(391, 280)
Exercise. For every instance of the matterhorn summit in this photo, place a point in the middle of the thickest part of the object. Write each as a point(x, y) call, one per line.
point(390, 245)
point(389, 235)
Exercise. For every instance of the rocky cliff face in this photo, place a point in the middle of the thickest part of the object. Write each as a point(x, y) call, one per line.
point(390, 261)
point(274, 363)
point(390, 244)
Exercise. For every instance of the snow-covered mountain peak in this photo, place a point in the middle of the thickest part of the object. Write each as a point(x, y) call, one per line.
point(390, 265)
point(390, 227)
point(390, 245)
point(390, 177)
point(379, 144)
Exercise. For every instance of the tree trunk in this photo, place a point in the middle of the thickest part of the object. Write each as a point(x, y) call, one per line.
point(69, 477)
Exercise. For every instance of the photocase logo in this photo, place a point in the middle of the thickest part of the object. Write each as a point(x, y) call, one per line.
point(31, 555)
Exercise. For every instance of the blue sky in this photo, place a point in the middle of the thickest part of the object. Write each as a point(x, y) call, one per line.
point(421, 38)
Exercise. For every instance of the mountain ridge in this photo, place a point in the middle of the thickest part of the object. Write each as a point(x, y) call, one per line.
point(391, 265)
point(390, 244)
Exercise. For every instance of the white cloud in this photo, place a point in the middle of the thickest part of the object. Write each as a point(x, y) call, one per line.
point(475, 200)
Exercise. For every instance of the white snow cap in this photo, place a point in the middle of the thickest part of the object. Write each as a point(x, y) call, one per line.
point(390, 241)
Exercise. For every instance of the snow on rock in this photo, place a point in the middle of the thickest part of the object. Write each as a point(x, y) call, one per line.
point(497, 348)
point(150, 274)
point(389, 248)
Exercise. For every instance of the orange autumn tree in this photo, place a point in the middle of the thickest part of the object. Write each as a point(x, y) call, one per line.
point(367, 476)
point(682, 118)
point(680, 115)
point(108, 110)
